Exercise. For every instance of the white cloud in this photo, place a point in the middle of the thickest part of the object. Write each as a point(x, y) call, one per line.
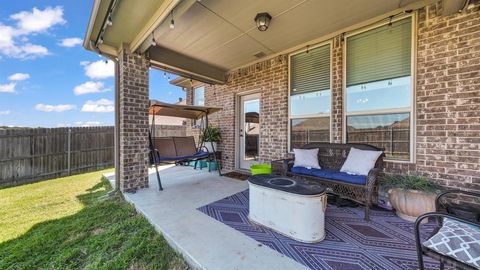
point(89, 87)
point(32, 51)
point(38, 20)
point(28, 22)
point(88, 123)
point(9, 48)
point(54, 108)
point(7, 112)
point(7, 88)
point(101, 105)
point(70, 42)
point(99, 69)
point(19, 76)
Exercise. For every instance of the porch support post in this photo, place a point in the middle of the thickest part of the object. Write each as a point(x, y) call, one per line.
point(134, 101)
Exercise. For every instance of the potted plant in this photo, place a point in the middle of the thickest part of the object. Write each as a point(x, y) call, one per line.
point(211, 137)
point(411, 195)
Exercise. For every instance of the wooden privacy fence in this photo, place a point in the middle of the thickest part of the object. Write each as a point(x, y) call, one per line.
point(28, 155)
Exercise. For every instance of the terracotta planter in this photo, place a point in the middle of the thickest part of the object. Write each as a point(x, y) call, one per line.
point(410, 204)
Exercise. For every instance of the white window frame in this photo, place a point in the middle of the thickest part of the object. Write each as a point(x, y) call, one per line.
point(193, 94)
point(290, 117)
point(413, 76)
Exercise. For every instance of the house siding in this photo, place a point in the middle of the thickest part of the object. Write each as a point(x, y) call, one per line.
point(447, 101)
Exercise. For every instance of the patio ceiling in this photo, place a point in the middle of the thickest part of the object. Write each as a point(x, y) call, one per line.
point(214, 36)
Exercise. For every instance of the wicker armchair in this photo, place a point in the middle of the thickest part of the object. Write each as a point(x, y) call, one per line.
point(332, 156)
point(459, 212)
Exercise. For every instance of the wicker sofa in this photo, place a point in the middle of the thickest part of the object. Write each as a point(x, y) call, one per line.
point(331, 156)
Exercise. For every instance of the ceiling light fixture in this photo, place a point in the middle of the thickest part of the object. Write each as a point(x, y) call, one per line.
point(263, 21)
point(172, 22)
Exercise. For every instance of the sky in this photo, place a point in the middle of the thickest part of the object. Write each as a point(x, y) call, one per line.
point(47, 79)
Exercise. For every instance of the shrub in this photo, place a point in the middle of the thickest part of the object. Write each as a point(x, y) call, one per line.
point(211, 134)
point(411, 182)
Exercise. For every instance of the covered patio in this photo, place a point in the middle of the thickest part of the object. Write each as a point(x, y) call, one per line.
point(204, 242)
point(204, 217)
point(401, 76)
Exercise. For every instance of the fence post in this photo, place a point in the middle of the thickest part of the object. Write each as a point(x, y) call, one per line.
point(69, 152)
point(391, 140)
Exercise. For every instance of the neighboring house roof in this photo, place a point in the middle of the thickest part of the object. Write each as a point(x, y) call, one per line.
point(313, 123)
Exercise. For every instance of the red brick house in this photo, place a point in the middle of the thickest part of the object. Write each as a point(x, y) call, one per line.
point(402, 75)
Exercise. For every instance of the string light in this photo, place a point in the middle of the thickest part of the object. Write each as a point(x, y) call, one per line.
point(109, 20)
point(172, 22)
point(154, 42)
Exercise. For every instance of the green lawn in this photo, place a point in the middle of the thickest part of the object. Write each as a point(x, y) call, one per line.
point(63, 224)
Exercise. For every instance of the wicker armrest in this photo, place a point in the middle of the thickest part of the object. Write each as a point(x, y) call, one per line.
point(281, 166)
point(372, 177)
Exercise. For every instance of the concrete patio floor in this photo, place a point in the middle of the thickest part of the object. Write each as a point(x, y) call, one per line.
point(204, 242)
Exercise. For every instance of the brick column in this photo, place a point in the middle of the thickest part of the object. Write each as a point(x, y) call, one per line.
point(134, 126)
point(337, 90)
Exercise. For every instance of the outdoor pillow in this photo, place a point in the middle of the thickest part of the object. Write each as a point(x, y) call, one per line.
point(360, 162)
point(307, 158)
point(457, 240)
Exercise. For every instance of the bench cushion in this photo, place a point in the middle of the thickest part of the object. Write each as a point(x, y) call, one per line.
point(331, 174)
point(198, 155)
point(457, 240)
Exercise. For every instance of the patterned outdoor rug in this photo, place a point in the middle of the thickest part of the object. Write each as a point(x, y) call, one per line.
point(386, 242)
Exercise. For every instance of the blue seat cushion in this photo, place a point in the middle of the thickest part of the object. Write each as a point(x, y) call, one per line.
point(199, 155)
point(331, 174)
point(304, 171)
point(349, 178)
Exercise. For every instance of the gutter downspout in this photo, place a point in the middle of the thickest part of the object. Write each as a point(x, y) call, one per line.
point(116, 128)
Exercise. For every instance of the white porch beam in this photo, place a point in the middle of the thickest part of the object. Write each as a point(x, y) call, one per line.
point(155, 20)
point(175, 62)
point(162, 27)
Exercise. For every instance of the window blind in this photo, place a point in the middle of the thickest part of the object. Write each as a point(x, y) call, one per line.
point(380, 54)
point(310, 72)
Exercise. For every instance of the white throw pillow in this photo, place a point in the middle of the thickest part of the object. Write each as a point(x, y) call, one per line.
point(306, 158)
point(360, 161)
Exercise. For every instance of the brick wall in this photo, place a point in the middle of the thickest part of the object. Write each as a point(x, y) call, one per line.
point(133, 121)
point(448, 97)
point(191, 130)
point(447, 100)
point(267, 78)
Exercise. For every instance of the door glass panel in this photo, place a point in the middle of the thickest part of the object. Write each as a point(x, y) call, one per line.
point(251, 129)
